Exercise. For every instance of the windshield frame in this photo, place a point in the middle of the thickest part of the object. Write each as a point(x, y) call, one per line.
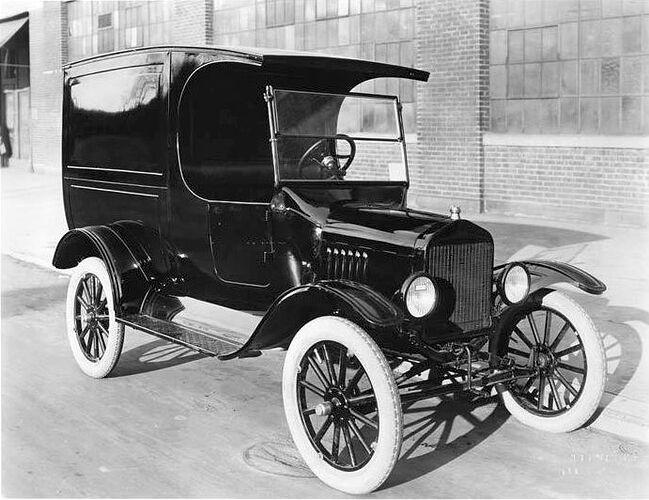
point(275, 135)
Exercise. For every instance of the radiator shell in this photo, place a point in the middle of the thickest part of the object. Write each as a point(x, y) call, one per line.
point(464, 270)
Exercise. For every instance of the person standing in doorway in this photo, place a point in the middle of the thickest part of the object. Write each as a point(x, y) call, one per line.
point(5, 145)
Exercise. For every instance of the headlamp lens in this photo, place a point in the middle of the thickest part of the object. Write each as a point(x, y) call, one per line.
point(516, 284)
point(421, 297)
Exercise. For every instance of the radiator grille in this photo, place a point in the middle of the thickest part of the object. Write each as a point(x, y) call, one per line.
point(345, 263)
point(467, 267)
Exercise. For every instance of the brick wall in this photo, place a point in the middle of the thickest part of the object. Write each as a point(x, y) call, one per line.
point(600, 185)
point(46, 85)
point(192, 22)
point(373, 162)
point(447, 161)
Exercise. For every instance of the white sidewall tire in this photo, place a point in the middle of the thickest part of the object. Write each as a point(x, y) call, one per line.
point(375, 472)
point(591, 395)
point(103, 366)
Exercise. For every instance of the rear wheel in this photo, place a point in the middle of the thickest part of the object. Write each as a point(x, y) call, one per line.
point(94, 335)
point(342, 405)
point(554, 336)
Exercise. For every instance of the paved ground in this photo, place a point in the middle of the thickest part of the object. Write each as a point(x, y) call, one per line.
point(172, 423)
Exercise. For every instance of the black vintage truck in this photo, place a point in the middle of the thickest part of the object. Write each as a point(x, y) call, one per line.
point(198, 178)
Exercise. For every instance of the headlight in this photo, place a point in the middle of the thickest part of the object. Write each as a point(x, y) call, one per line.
point(420, 295)
point(515, 284)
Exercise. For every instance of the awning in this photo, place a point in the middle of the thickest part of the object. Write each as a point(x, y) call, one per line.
point(9, 28)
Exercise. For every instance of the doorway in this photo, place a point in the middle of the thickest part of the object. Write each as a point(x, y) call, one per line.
point(17, 116)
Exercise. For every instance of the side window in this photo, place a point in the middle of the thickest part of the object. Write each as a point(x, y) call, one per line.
point(117, 119)
point(225, 154)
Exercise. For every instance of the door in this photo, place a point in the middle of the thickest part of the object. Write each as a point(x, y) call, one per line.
point(241, 243)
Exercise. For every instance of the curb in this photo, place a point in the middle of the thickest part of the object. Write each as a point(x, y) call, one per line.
point(37, 261)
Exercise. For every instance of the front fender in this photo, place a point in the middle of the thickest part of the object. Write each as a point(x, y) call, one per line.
point(546, 272)
point(299, 305)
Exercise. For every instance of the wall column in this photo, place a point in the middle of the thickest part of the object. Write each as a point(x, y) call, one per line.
point(447, 164)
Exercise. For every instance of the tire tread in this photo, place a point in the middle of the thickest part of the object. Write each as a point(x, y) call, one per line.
point(583, 409)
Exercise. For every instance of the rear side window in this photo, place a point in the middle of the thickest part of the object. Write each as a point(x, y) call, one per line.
point(116, 120)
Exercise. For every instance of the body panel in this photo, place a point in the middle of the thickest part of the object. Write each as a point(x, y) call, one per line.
point(241, 243)
point(299, 305)
point(545, 272)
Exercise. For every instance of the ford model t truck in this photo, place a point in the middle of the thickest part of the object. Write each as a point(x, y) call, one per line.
point(257, 180)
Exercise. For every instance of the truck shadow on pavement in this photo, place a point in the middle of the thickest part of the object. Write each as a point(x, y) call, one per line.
point(155, 355)
point(440, 430)
point(622, 343)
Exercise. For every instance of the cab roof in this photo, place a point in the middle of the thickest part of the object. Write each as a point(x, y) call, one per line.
point(283, 60)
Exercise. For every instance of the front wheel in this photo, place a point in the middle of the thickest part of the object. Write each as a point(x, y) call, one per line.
point(342, 405)
point(552, 335)
point(94, 334)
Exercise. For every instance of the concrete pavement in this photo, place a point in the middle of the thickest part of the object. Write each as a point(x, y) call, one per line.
point(33, 221)
point(172, 423)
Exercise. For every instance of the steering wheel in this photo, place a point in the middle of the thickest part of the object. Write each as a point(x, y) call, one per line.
point(321, 153)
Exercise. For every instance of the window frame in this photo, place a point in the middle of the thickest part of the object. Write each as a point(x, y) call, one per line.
point(275, 135)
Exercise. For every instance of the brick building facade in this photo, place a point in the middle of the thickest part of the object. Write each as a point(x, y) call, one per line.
point(46, 76)
point(533, 107)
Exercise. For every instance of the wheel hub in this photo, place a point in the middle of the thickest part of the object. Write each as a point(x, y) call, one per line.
point(91, 315)
point(335, 404)
point(543, 358)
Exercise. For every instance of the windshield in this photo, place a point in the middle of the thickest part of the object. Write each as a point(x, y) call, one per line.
point(338, 137)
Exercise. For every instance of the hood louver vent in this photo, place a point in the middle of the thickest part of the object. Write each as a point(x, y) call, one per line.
point(344, 263)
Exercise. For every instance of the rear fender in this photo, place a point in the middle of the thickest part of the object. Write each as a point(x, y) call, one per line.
point(545, 272)
point(296, 307)
point(128, 251)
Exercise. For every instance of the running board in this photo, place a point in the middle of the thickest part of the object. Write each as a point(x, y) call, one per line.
point(211, 343)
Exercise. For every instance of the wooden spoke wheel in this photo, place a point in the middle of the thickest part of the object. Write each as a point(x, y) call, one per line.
point(555, 337)
point(342, 405)
point(94, 335)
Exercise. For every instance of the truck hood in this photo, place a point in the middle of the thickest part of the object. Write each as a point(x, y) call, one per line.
point(378, 244)
point(396, 230)
point(387, 227)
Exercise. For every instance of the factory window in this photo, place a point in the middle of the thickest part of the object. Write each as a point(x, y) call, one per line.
point(280, 12)
point(572, 67)
point(366, 29)
point(103, 26)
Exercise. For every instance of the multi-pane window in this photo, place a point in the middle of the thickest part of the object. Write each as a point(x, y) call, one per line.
point(80, 24)
point(280, 12)
point(381, 30)
point(327, 9)
point(574, 66)
point(240, 18)
point(103, 39)
point(105, 35)
point(104, 26)
point(131, 30)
